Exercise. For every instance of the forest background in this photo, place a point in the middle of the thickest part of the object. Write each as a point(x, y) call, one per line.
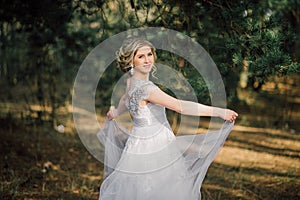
point(255, 45)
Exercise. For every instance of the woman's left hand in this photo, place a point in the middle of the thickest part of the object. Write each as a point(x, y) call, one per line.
point(229, 115)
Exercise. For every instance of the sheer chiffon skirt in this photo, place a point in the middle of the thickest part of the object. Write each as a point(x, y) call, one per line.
point(151, 163)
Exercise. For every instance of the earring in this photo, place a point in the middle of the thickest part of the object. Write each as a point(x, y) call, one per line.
point(131, 71)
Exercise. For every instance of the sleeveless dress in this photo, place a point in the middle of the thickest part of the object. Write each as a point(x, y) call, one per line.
point(150, 162)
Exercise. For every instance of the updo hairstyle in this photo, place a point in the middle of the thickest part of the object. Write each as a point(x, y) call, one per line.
point(128, 50)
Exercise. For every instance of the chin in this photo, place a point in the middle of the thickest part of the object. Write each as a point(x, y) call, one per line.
point(147, 70)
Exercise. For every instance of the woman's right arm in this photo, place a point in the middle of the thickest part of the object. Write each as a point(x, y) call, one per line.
point(121, 106)
point(119, 110)
point(189, 108)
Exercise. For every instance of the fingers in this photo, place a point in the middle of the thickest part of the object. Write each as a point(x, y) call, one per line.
point(110, 115)
point(233, 116)
point(230, 115)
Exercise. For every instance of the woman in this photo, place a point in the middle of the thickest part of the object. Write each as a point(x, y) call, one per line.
point(150, 162)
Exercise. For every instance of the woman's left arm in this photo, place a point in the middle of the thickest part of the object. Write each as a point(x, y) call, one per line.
point(190, 108)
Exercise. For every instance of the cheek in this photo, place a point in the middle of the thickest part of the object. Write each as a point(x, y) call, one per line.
point(152, 59)
point(135, 60)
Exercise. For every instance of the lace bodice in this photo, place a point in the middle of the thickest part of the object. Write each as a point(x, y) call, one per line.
point(143, 114)
point(139, 91)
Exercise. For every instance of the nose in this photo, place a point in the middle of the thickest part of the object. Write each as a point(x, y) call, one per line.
point(146, 59)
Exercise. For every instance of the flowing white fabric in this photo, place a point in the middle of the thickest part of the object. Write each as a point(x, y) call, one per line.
point(150, 162)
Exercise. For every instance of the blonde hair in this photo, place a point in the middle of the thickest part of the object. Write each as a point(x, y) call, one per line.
point(128, 50)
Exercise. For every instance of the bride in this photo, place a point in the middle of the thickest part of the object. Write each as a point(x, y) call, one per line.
point(151, 162)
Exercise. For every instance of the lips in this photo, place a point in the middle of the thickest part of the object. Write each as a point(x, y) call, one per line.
point(147, 66)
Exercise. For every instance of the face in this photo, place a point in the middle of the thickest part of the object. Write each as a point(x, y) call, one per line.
point(143, 60)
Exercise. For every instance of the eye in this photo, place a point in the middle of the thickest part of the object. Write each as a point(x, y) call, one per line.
point(141, 56)
point(150, 54)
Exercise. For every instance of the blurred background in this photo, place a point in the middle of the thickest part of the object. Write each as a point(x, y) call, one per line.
point(254, 43)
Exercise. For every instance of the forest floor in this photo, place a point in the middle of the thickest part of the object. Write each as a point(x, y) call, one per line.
point(260, 159)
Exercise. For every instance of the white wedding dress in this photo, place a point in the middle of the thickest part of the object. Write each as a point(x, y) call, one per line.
point(150, 162)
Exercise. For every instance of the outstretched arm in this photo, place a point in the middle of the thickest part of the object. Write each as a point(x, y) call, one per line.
point(189, 108)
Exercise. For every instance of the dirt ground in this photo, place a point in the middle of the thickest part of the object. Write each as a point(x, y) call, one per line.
point(260, 159)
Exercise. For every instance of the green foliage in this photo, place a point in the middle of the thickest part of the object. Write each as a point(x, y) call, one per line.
point(43, 42)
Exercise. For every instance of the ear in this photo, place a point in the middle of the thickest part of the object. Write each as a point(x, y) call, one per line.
point(131, 64)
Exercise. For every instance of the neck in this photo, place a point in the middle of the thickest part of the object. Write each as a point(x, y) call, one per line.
point(138, 76)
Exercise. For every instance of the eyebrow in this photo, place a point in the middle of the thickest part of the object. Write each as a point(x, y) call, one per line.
point(140, 54)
